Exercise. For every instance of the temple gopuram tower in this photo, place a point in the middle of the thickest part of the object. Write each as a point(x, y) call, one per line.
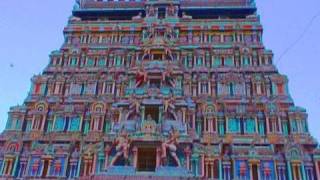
point(160, 89)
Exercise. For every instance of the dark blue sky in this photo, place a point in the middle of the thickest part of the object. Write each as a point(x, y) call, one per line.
point(30, 30)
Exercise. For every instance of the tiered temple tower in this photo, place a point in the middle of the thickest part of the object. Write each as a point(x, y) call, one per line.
point(161, 88)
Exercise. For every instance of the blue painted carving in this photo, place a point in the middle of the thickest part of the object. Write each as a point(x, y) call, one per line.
point(165, 91)
point(234, 125)
point(35, 165)
point(57, 167)
point(74, 124)
point(178, 125)
point(250, 126)
point(172, 171)
point(121, 170)
point(242, 169)
point(130, 126)
point(267, 170)
point(59, 124)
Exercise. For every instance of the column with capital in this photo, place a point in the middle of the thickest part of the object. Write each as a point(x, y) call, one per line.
point(107, 151)
point(317, 169)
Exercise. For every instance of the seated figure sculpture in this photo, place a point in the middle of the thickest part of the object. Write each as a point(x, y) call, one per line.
point(122, 143)
point(149, 126)
point(171, 145)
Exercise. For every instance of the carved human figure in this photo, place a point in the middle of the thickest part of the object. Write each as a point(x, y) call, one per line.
point(35, 166)
point(171, 145)
point(151, 11)
point(141, 77)
point(172, 10)
point(168, 103)
point(167, 77)
point(122, 144)
point(137, 17)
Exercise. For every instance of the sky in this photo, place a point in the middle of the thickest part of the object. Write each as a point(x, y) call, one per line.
point(30, 30)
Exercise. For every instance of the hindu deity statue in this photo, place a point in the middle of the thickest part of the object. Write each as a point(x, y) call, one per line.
point(170, 145)
point(122, 143)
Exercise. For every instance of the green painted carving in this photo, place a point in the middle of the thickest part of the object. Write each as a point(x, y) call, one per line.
point(28, 127)
point(86, 127)
point(59, 124)
point(285, 128)
point(90, 62)
point(229, 61)
point(216, 62)
point(294, 125)
point(49, 127)
point(234, 125)
point(261, 128)
point(74, 124)
point(9, 123)
point(250, 126)
point(107, 126)
point(304, 126)
point(101, 62)
point(221, 128)
point(73, 62)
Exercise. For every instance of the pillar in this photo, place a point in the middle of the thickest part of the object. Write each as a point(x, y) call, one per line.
point(135, 157)
point(206, 173)
point(268, 125)
point(280, 125)
point(211, 168)
point(94, 166)
point(43, 120)
point(158, 160)
point(106, 154)
point(220, 170)
point(187, 152)
point(79, 166)
point(2, 167)
point(202, 165)
point(251, 172)
point(317, 169)
point(289, 170)
point(303, 171)
point(257, 125)
point(15, 166)
point(142, 114)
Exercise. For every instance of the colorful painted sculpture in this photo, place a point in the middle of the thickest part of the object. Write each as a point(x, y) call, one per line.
point(170, 89)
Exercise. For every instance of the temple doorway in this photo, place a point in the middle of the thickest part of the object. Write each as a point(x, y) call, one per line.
point(147, 159)
point(153, 111)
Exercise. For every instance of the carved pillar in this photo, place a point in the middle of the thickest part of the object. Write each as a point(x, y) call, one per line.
point(251, 171)
point(184, 115)
point(317, 169)
point(202, 166)
point(257, 125)
point(205, 125)
point(43, 120)
point(135, 157)
point(220, 170)
point(303, 171)
point(106, 152)
point(268, 125)
point(206, 173)
point(194, 120)
point(280, 124)
point(187, 152)
point(158, 160)
point(94, 165)
point(289, 170)
point(142, 114)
